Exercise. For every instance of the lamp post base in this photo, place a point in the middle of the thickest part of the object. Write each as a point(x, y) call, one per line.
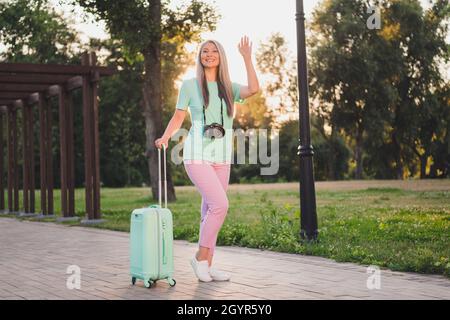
point(309, 237)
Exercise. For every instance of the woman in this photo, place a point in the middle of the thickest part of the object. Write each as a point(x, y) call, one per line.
point(207, 153)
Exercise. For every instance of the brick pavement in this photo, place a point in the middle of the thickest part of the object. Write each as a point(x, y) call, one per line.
point(34, 258)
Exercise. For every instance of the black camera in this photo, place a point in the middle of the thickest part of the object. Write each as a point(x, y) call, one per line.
point(213, 130)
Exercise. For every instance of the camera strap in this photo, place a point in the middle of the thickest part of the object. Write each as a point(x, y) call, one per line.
point(221, 111)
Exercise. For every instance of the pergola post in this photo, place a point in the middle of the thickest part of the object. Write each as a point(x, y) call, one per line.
point(42, 153)
point(2, 169)
point(26, 162)
point(14, 164)
point(63, 149)
point(70, 156)
point(91, 142)
point(31, 154)
point(66, 154)
point(10, 159)
point(96, 152)
point(49, 155)
point(87, 135)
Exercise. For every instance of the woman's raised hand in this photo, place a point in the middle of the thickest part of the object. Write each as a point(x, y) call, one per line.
point(245, 47)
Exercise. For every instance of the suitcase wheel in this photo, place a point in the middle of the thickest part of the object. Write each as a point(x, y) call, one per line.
point(171, 282)
point(149, 283)
point(133, 281)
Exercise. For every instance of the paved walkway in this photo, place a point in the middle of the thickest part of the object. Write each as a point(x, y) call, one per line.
point(34, 258)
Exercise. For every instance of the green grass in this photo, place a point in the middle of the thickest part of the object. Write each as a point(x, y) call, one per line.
point(398, 229)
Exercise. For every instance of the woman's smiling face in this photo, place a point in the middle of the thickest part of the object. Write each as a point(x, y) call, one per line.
point(210, 55)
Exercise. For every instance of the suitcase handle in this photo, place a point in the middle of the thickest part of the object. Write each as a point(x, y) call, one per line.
point(159, 176)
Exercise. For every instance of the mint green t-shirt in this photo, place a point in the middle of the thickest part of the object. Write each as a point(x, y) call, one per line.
point(196, 146)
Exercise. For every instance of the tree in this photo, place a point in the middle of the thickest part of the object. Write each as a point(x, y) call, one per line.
point(142, 26)
point(254, 113)
point(331, 154)
point(440, 152)
point(420, 113)
point(279, 68)
point(378, 87)
point(34, 32)
point(345, 68)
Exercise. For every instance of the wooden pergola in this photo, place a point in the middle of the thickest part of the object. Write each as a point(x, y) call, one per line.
point(26, 85)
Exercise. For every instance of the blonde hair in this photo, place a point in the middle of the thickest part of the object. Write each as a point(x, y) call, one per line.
point(223, 78)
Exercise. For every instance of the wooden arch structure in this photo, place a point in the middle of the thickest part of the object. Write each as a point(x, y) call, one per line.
point(27, 85)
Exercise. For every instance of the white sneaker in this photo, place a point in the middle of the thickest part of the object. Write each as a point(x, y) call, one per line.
point(218, 275)
point(201, 270)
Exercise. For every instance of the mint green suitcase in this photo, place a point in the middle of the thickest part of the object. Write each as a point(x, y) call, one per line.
point(151, 240)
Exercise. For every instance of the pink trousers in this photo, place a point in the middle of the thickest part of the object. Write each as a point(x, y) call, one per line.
point(211, 180)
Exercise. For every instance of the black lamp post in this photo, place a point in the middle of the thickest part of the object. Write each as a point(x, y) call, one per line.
point(308, 220)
